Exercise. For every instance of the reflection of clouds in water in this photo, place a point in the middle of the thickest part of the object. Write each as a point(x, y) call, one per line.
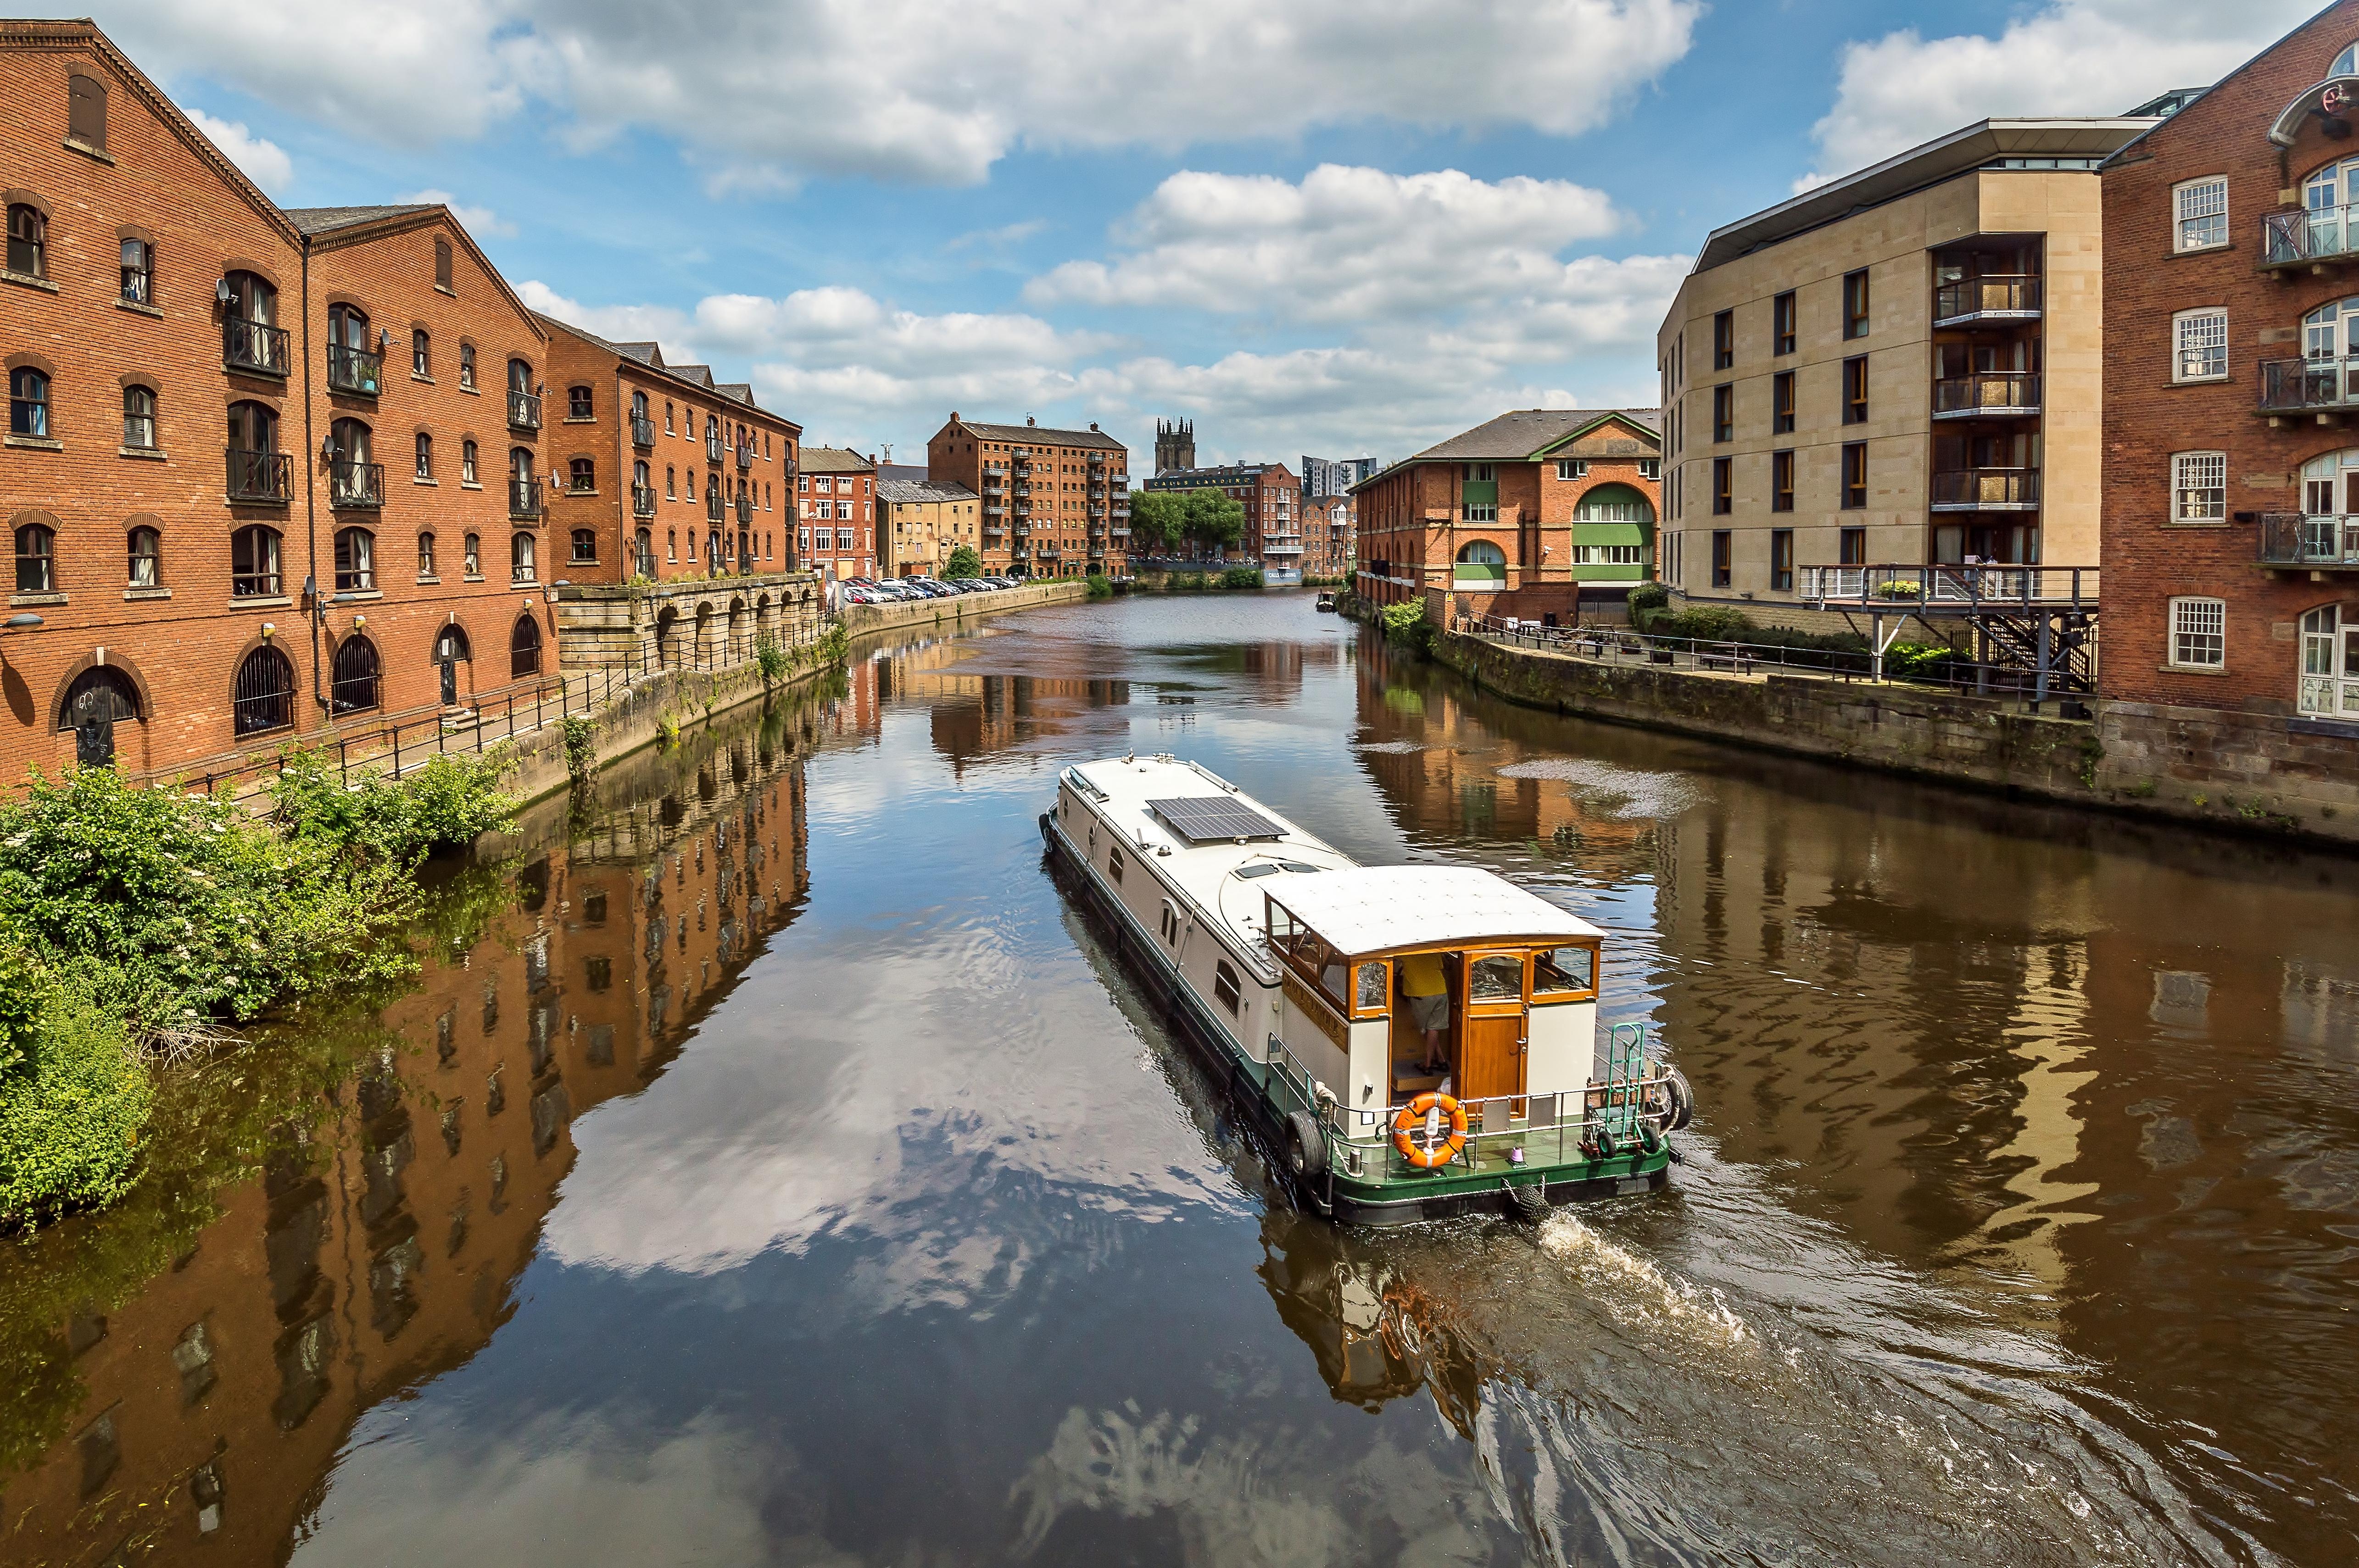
point(1390, 748)
point(1612, 791)
point(417, 1486)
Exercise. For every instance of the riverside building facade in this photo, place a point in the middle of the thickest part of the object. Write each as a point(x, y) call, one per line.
point(1271, 496)
point(1900, 367)
point(2230, 487)
point(1055, 503)
point(836, 503)
point(1537, 514)
point(922, 521)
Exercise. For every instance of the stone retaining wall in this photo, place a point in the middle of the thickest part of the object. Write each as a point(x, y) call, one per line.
point(860, 619)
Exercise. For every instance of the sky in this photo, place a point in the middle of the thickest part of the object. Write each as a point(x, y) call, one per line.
point(1335, 227)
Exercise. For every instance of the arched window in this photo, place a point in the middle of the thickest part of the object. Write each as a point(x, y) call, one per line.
point(425, 556)
point(28, 241)
point(639, 476)
point(451, 646)
point(583, 473)
point(577, 403)
point(352, 359)
point(467, 462)
point(638, 405)
point(353, 687)
point(2329, 664)
point(146, 558)
point(424, 455)
point(520, 376)
point(251, 298)
point(139, 418)
point(265, 695)
point(253, 563)
point(102, 689)
point(466, 367)
point(353, 477)
point(1225, 985)
point(253, 430)
point(2330, 484)
point(2347, 62)
point(585, 546)
point(520, 558)
point(644, 542)
point(355, 561)
point(421, 354)
point(86, 110)
point(36, 560)
point(28, 401)
point(524, 648)
point(138, 272)
point(441, 263)
point(1483, 552)
point(672, 544)
point(671, 484)
point(1614, 503)
point(474, 556)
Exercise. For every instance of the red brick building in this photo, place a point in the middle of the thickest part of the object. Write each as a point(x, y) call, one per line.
point(1327, 535)
point(1271, 494)
point(663, 472)
point(1534, 515)
point(1055, 503)
point(835, 504)
point(2231, 489)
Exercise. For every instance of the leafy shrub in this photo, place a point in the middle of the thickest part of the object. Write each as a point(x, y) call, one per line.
point(71, 1112)
point(772, 660)
point(1101, 586)
point(1707, 623)
point(581, 749)
point(964, 563)
point(1407, 624)
point(1920, 662)
point(1647, 601)
point(450, 801)
point(1241, 576)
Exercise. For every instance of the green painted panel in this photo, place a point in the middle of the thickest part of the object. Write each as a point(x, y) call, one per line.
point(1482, 493)
point(1475, 571)
point(1610, 574)
point(1612, 532)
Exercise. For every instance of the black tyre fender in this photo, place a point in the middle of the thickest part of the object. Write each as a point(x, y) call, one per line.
point(1683, 1101)
point(1306, 1147)
point(1650, 1138)
point(1606, 1148)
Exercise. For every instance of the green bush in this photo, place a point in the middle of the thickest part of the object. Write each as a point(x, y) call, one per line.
point(1921, 661)
point(69, 1112)
point(447, 802)
point(771, 660)
point(1101, 586)
point(1647, 601)
point(1407, 624)
point(1707, 623)
point(964, 563)
point(1241, 576)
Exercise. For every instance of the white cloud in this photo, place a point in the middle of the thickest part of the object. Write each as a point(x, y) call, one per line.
point(264, 163)
point(2070, 56)
point(478, 220)
point(1345, 244)
point(932, 91)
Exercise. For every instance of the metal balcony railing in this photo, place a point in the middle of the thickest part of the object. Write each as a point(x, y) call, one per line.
point(353, 369)
point(524, 498)
point(1998, 296)
point(643, 501)
point(259, 477)
point(2299, 539)
point(745, 510)
point(2000, 393)
point(523, 411)
point(712, 447)
point(745, 455)
point(643, 432)
point(1953, 588)
point(713, 506)
point(2293, 386)
point(354, 483)
point(2318, 234)
point(250, 345)
point(1992, 489)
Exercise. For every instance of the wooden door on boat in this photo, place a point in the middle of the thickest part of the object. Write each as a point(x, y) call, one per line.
point(1492, 1031)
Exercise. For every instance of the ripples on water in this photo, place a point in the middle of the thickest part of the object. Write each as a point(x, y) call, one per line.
point(779, 1170)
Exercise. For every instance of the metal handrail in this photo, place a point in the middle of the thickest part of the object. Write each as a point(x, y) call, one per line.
point(1995, 585)
point(643, 431)
point(524, 410)
point(1986, 487)
point(352, 483)
point(643, 501)
point(256, 346)
point(2011, 391)
point(353, 369)
point(2014, 293)
point(745, 455)
point(259, 476)
point(524, 498)
point(2312, 234)
point(2309, 383)
point(2304, 540)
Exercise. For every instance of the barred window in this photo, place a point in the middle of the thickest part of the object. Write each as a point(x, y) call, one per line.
point(2202, 213)
point(2202, 343)
point(2199, 633)
point(2198, 487)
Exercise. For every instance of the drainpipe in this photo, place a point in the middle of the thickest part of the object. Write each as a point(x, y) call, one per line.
point(310, 491)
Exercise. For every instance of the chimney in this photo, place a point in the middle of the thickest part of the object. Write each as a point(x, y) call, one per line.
point(1093, 424)
point(1030, 420)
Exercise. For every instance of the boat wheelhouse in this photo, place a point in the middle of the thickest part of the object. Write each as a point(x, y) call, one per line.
point(1419, 1039)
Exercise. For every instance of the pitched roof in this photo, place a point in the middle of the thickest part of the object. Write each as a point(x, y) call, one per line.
point(900, 470)
point(1054, 438)
point(892, 487)
point(834, 459)
point(651, 356)
point(324, 220)
point(1524, 433)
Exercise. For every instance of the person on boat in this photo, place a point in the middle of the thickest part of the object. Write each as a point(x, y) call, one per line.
point(1428, 1002)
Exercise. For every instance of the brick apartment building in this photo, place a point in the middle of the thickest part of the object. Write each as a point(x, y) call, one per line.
point(2231, 494)
point(835, 504)
point(666, 473)
point(367, 538)
point(922, 521)
point(1055, 503)
point(1271, 496)
point(1537, 514)
point(1327, 535)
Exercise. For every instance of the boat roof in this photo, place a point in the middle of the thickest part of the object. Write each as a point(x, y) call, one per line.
point(1372, 909)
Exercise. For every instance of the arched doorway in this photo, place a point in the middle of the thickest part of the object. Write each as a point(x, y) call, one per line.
point(704, 634)
point(263, 697)
point(524, 647)
point(667, 638)
point(100, 697)
point(737, 646)
point(353, 687)
point(450, 651)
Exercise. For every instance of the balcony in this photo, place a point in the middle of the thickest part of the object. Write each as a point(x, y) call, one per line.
point(745, 455)
point(354, 483)
point(353, 369)
point(1958, 590)
point(712, 512)
point(1275, 549)
point(1022, 490)
point(259, 477)
point(524, 499)
point(1990, 394)
point(1997, 298)
point(643, 432)
point(713, 450)
point(643, 501)
point(2324, 387)
point(524, 410)
point(2320, 544)
point(745, 510)
point(251, 346)
point(2312, 240)
point(1987, 490)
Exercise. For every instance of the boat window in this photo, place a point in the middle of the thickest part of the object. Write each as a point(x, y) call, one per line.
point(1565, 970)
point(1114, 863)
point(1499, 978)
point(1259, 869)
point(1372, 988)
point(1285, 931)
point(1225, 987)
point(1297, 866)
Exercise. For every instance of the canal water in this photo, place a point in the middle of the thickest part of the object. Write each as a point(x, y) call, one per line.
point(769, 1166)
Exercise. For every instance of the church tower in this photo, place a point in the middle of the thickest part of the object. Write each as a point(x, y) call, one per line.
point(1175, 444)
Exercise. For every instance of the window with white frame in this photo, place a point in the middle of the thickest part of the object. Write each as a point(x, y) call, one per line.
point(2201, 340)
point(2198, 487)
point(1573, 467)
point(2202, 213)
point(1609, 555)
point(843, 539)
point(2199, 633)
point(1651, 467)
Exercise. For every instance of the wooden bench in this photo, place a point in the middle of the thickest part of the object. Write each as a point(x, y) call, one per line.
point(1725, 656)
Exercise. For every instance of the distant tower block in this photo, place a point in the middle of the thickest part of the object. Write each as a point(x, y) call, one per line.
point(1175, 444)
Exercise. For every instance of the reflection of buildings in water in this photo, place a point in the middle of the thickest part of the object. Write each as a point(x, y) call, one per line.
point(977, 717)
point(377, 1248)
point(2048, 1031)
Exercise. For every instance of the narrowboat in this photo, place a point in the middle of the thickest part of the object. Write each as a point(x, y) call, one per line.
point(1413, 1042)
point(1326, 600)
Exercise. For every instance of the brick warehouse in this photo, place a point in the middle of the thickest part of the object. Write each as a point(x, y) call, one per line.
point(1535, 515)
point(1055, 503)
point(2231, 491)
point(1271, 494)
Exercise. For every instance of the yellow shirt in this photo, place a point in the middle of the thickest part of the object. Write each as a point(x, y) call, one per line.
point(1421, 975)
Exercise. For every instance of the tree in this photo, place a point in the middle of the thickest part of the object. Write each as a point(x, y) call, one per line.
point(1159, 521)
point(1213, 520)
point(964, 563)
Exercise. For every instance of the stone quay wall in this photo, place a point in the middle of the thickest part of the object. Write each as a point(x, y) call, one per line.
point(860, 619)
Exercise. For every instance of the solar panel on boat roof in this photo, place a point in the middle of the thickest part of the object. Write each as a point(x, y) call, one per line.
point(1214, 818)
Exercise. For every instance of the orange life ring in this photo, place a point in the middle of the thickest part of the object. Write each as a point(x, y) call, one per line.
point(1409, 1121)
